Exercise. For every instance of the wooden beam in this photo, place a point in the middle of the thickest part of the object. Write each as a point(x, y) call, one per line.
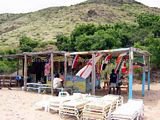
point(52, 70)
point(93, 74)
point(141, 52)
point(25, 72)
point(100, 51)
point(44, 53)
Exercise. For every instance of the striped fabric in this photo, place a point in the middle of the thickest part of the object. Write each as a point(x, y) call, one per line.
point(87, 69)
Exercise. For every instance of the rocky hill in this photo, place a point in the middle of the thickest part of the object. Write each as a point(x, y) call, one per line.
point(45, 24)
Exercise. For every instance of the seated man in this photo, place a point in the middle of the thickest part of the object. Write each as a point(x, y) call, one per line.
point(57, 83)
point(113, 81)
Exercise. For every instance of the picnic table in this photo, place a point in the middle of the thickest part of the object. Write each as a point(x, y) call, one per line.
point(38, 86)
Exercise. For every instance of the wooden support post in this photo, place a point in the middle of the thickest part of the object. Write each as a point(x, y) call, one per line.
point(149, 73)
point(93, 74)
point(65, 67)
point(18, 62)
point(25, 72)
point(23, 68)
point(52, 76)
point(143, 77)
point(130, 96)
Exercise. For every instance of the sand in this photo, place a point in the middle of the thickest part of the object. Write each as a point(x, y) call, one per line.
point(18, 105)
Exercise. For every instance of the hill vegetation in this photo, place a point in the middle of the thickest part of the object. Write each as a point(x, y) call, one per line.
point(97, 24)
point(44, 25)
point(144, 34)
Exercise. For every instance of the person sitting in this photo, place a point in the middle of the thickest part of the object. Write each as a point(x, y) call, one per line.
point(57, 83)
point(113, 81)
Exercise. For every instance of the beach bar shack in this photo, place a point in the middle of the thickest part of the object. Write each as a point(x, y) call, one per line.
point(60, 60)
point(55, 66)
point(131, 53)
point(33, 65)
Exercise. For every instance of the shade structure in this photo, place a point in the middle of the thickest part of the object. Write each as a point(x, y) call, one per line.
point(115, 52)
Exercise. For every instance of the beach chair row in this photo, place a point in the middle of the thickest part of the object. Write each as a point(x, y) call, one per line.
point(108, 107)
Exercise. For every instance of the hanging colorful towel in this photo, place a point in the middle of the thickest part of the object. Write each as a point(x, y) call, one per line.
point(75, 61)
point(87, 69)
point(47, 68)
point(105, 61)
point(119, 61)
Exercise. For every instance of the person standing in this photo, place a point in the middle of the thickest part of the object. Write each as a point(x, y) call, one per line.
point(113, 81)
point(118, 83)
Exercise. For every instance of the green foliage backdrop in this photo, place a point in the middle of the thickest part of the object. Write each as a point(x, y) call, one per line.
point(144, 34)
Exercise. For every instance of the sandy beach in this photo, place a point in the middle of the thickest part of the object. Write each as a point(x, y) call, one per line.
point(18, 105)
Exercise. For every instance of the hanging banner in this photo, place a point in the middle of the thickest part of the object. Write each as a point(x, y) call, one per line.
point(119, 61)
point(105, 61)
point(47, 68)
point(75, 61)
point(86, 70)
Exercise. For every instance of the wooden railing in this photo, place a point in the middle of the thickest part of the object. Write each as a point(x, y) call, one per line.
point(8, 81)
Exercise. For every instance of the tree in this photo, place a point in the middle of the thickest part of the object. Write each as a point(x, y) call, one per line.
point(27, 44)
point(63, 43)
point(147, 20)
point(144, 34)
point(153, 46)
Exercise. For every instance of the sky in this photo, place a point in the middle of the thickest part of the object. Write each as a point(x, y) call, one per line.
point(23, 6)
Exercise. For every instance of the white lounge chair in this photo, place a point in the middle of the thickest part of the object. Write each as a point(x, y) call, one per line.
point(63, 97)
point(44, 103)
point(101, 108)
point(97, 110)
point(117, 100)
point(131, 110)
point(52, 102)
point(73, 107)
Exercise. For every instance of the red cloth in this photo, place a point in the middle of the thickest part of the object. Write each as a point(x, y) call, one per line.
point(47, 69)
point(119, 61)
point(75, 61)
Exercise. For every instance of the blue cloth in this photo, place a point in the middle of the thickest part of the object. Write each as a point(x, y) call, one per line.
point(18, 77)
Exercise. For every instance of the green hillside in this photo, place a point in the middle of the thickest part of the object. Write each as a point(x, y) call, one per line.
point(46, 24)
